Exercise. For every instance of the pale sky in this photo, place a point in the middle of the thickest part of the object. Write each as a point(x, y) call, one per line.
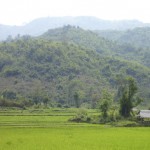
point(18, 12)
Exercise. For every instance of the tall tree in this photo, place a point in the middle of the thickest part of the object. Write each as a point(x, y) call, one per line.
point(128, 98)
point(76, 99)
point(105, 103)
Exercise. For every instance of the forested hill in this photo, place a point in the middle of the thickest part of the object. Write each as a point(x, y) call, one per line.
point(84, 38)
point(101, 43)
point(139, 37)
point(133, 44)
point(33, 68)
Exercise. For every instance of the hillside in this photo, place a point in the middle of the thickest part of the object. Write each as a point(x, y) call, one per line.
point(139, 37)
point(33, 68)
point(41, 25)
point(132, 44)
point(101, 44)
point(81, 37)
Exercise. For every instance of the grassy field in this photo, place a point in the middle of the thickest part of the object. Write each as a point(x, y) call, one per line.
point(75, 138)
point(50, 130)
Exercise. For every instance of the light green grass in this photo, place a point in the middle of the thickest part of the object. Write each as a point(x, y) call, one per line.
point(75, 138)
point(41, 121)
point(45, 118)
point(54, 132)
point(51, 111)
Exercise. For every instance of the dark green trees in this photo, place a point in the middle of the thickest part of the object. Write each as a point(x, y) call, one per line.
point(9, 94)
point(128, 100)
point(105, 103)
point(77, 100)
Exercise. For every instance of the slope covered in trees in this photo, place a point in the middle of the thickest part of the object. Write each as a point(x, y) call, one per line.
point(84, 38)
point(62, 63)
point(132, 44)
point(139, 37)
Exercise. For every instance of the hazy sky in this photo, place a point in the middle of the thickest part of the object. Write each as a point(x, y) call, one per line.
point(17, 12)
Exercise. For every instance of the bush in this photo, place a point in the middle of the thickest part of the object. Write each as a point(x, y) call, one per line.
point(66, 106)
point(81, 116)
point(11, 72)
point(59, 105)
point(9, 94)
point(9, 103)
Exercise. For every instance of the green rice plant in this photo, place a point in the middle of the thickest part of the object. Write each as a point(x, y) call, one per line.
point(75, 138)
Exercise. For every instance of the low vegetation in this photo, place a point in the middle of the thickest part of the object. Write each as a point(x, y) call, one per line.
point(50, 129)
point(57, 138)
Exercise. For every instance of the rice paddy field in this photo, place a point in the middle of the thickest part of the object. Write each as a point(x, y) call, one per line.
point(50, 130)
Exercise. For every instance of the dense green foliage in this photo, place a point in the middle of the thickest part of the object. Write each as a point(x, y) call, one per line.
point(128, 101)
point(105, 103)
point(140, 37)
point(132, 44)
point(49, 70)
point(83, 38)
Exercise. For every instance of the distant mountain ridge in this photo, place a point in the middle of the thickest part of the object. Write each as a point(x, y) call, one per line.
point(41, 25)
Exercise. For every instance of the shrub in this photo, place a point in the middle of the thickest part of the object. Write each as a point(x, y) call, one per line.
point(81, 116)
